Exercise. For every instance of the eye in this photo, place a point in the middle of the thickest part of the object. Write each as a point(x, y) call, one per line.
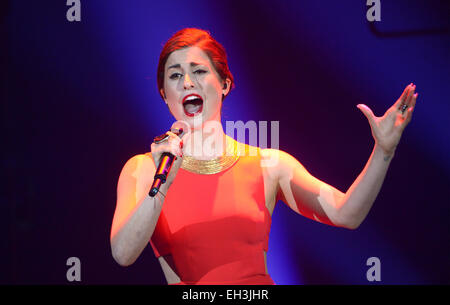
point(174, 76)
point(200, 71)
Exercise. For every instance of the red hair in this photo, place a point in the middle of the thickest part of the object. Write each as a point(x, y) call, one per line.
point(189, 37)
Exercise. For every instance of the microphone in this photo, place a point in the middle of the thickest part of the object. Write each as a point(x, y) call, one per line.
point(164, 165)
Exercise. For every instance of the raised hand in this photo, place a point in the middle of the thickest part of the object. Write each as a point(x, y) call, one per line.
point(387, 130)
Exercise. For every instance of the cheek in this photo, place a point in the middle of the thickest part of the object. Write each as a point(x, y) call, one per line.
point(170, 90)
point(172, 95)
point(212, 89)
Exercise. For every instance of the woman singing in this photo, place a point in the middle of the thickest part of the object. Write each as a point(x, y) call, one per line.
point(210, 221)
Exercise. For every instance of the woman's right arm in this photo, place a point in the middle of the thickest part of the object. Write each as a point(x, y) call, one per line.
point(137, 213)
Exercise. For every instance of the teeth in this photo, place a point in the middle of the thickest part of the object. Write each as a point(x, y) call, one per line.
point(191, 97)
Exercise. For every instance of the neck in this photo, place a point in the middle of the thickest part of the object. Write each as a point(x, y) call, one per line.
point(207, 142)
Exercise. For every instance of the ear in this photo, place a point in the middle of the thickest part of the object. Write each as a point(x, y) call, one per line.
point(163, 94)
point(226, 87)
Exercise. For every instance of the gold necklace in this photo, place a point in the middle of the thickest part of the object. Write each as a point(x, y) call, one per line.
point(213, 166)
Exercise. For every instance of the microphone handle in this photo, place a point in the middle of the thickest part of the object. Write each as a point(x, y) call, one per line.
point(162, 172)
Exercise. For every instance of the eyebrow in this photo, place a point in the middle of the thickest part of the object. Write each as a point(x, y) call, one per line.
point(193, 64)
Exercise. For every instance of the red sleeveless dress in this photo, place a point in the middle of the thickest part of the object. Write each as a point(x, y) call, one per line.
point(215, 227)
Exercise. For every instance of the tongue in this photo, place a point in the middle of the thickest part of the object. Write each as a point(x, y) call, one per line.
point(192, 108)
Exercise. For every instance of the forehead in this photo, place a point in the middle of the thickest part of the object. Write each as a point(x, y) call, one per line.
point(187, 55)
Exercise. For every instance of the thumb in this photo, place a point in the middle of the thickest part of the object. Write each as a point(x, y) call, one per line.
point(367, 112)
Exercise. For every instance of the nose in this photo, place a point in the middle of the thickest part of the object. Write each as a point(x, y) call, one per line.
point(188, 83)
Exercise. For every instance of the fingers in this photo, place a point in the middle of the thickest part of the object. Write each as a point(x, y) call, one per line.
point(405, 92)
point(402, 99)
point(178, 142)
point(173, 145)
point(180, 125)
point(367, 112)
point(413, 104)
point(410, 110)
point(172, 135)
point(185, 137)
point(410, 104)
point(404, 106)
point(410, 95)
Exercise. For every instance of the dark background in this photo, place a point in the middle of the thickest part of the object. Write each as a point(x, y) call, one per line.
point(80, 98)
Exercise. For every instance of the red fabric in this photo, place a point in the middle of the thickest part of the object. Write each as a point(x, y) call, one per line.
point(215, 227)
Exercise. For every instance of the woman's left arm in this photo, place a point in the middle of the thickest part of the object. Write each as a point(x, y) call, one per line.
point(386, 131)
point(317, 200)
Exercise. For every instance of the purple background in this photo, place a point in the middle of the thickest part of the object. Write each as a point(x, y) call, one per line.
point(80, 98)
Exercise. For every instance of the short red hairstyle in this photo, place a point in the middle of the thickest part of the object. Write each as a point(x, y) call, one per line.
point(189, 37)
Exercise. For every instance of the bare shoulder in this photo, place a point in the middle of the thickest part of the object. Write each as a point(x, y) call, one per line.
point(139, 165)
point(276, 162)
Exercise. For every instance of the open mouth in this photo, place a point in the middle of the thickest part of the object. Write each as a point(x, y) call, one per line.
point(192, 104)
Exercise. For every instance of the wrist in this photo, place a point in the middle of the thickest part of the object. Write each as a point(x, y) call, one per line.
point(165, 187)
point(386, 154)
point(162, 190)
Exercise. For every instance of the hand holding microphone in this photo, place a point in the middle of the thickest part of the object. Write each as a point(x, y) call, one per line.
point(167, 149)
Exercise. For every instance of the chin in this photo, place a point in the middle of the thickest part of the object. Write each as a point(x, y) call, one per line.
point(195, 122)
